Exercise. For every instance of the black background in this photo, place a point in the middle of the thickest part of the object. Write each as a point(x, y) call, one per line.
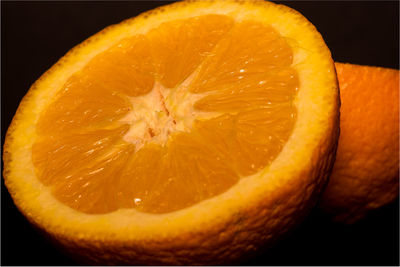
point(35, 34)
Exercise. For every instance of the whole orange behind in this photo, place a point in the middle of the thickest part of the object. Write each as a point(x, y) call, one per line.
point(366, 172)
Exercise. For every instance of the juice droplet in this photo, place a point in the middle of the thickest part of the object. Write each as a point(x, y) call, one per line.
point(137, 201)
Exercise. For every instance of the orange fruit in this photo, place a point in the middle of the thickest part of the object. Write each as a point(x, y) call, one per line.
point(366, 172)
point(191, 134)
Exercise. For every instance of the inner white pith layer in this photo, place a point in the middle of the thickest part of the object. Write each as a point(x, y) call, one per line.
point(161, 112)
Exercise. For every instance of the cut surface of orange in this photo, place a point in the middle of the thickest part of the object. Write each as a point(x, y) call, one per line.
point(191, 127)
point(241, 94)
point(366, 171)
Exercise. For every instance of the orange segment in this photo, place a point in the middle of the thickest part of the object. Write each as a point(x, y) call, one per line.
point(93, 189)
point(268, 92)
point(241, 58)
point(219, 132)
point(55, 157)
point(194, 172)
point(141, 177)
point(252, 139)
point(127, 67)
point(81, 104)
point(179, 46)
point(262, 133)
point(244, 93)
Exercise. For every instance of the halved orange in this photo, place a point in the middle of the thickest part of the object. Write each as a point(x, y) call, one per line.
point(190, 134)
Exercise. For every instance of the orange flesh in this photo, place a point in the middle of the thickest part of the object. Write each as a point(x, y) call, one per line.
point(242, 86)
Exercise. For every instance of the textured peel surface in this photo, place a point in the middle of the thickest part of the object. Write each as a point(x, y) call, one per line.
point(365, 176)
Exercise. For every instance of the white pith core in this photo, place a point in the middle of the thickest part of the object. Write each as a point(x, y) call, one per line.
point(163, 111)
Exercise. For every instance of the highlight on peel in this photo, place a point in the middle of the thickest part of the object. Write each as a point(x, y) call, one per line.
point(191, 134)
